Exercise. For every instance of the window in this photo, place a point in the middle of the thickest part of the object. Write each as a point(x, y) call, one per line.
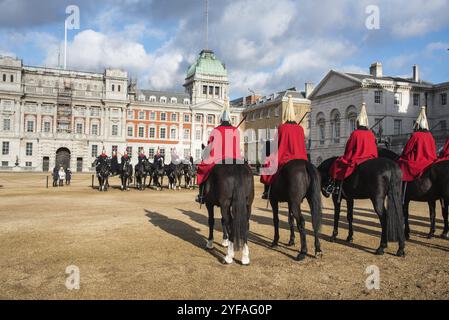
point(173, 133)
point(6, 124)
point(174, 117)
point(163, 100)
point(115, 130)
point(198, 134)
point(210, 119)
point(186, 153)
point(173, 100)
point(79, 128)
point(186, 101)
point(141, 115)
point(198, 153)
point(129, 151)
point(162, 151)
point(141, 132)
point(130, 131)
point(335, 128)
point(152, 131)
point(276, 112)
point(204, 89)
point(94, 151)
point(152, 115)
point(198, 118)
point(28, 164)
point(118, 88)
point(397, 98)
point(95, 112)
point(378, 96)
point(113, 87)
point(47, 126)
point(95, 129)
point(163, 133)
point(30, 126)
point(130, 114)
point(444, 99)
point(352, 122)
point(5, 163)
point(186, 134)
point(163, 116)
point(186, 118)
point(211, 90)
point(151, 153)
point(139, 150)
point(416, 99)
point(4, 77)
point(397, 127)
point(29, 149)
point(217, 91)
point(152, 99)
point(5, 148)
point(12, 78)
point(322, 131)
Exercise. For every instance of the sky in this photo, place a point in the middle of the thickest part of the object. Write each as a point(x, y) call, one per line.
point(266, 45)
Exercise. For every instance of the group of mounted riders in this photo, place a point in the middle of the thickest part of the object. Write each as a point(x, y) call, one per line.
point(106, 167)
point(365, 171)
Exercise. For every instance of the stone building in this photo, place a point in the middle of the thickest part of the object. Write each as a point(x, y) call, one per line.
point(265, 113)
point(392, 103)
point(54, 117)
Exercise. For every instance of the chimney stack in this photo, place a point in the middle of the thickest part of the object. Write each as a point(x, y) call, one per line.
point(308, 89)
point(415, 73)
point(376, 70)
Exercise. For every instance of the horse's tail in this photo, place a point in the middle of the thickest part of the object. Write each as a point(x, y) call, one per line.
point(239, 211)
point(314, 196)
point(395, 223)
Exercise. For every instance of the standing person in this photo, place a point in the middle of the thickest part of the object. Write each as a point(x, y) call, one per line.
point(419, 152)
point(223, 144)
point(68, 176)
point(361, 146)
point(55, 176)
point(61, 176)
point(291, 146)
point(115, 168)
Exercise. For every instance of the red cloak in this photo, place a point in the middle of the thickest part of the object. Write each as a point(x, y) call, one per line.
point(444, 154)
point(291, 146)
point(360, 147)
point(419, 153)
point(224, 143)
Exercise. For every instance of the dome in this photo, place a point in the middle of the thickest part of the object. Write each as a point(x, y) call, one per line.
point(207, 63)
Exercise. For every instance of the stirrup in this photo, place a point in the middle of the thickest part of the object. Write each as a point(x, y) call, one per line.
point(265, 195)
point(199, 199)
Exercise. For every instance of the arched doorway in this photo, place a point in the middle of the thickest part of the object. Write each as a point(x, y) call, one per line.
point(62, 158)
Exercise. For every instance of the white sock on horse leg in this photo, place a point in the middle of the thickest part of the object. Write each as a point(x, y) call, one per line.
point(245, 254)
point(210, 244)
point(225, 243)
point(230, 256)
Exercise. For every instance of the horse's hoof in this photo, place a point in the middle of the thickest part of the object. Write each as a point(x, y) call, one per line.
point(291, 243)
point(274, 244)
point(380, 252)
point(225, 243)
point(210, 244)
point(407, 236)
point(228, 260)
point(349, 239)
point(245, 261)
point(318, 254)
point(444, 236)
point(400, 253)
point(301, 256)
point(332, 238)
point(430, 235)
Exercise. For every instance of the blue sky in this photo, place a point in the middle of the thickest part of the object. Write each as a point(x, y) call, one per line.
point(267, 45)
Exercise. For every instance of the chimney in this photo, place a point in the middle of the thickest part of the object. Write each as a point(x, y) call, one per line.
point(308, 89)
point(415, 73)
point(376, 70)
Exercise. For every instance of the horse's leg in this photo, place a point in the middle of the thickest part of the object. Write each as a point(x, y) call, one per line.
point(295, 210)
point(337, 207)
point(379, 207)
point(445, 208)
point(291, 223)
point(227, 220)
point(350, 204)
point(432, 205)
point(210, 240)
point(225, 242)
point(407, 226)
point(275, 208)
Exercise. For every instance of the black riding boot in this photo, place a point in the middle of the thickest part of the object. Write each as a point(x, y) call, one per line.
point(200, 196)
point(330, 188)
point(266, 188)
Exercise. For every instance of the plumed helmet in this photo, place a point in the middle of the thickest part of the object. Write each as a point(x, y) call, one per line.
point(226, 115)
point(362, 119)
point(289, 112)
point(421, 122)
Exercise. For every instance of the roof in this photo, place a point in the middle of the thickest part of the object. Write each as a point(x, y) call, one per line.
point(207, 63)
point(362, 77)
point(158, 94)
point(277, 97)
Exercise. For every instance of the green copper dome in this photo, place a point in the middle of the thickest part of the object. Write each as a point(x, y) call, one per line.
point(207, 63)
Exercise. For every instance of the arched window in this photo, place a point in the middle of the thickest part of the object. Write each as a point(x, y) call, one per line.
point(335, 126)
point(321, 127)
point(351, 116)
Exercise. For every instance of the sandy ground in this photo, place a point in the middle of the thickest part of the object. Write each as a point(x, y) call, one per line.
point(151, 245)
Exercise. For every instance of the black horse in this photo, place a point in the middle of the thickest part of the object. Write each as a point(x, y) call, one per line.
point(170, 171)
point(377, 180)
point(126, 174)
point(296, 180)
point(158, 172)
point(103, 170)
point(231, 187)
point(141, 171)
point(431, 186)
point(189, 175)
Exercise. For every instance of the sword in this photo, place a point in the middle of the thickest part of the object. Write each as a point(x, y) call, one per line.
point(244, 118)
point(305, 115)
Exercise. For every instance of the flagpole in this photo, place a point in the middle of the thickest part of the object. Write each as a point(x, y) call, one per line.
point(65, 44)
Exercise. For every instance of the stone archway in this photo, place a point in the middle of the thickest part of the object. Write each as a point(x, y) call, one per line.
point(62, 158)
